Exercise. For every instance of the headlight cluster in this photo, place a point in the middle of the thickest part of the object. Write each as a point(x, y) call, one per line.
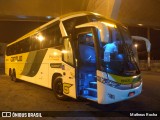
point(108, 82)
point(118, 85)
point(111, 83)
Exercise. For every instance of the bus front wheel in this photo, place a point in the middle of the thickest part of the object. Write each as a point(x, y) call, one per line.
point(58, 88)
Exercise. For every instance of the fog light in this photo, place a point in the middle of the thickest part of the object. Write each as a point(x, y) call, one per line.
point(131, 94)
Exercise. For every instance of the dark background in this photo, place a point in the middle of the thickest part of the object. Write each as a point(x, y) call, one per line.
point(154, 39)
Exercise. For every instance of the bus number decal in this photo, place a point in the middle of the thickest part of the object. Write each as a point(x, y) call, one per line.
point(66, 87)
point(16, 58)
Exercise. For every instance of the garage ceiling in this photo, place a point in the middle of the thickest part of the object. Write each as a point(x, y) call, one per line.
point(133, 12)
point(18, 17)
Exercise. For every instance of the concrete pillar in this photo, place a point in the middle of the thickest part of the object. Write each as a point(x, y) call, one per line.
point(2, 57)
point(149, 58)
point(108, 8)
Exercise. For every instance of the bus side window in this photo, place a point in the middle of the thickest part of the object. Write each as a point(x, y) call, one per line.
point(52, 36)
point(14, 48)
point(30, 43)
point(71, 23)
point(57, 36)
point(26, 43)
point(34, 43)
point(68, 52)
point(48, 37)
point(18, 46)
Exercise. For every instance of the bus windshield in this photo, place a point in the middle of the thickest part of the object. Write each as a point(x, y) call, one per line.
point(118, 54)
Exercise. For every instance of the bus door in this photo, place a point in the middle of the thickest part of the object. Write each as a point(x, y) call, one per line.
point(87, 85)
point(69, 74)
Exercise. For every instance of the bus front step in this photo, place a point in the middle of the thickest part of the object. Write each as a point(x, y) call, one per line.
point(93, 85)
point(90, 98)
point(90, 92)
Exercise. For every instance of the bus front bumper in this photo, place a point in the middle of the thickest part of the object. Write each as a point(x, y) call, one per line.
point(112, 95)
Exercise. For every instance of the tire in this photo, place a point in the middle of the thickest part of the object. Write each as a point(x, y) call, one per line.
point(58, 88)
point(10, 73)
point(13, 76)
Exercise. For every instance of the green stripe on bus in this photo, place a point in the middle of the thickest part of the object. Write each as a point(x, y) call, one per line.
point(35, 59)
point(29, 63)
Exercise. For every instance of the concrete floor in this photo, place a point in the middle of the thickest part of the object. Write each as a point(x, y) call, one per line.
point(23, 96)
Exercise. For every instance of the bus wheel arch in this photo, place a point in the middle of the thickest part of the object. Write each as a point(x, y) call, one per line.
point(57, 86)
point(54, 76)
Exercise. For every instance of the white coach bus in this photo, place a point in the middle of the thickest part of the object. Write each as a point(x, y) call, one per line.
point(78, 55)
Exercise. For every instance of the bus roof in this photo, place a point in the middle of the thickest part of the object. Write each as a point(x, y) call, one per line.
point(62, 18)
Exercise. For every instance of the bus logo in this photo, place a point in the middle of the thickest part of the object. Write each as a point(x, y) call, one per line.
point(66, 87)
point(16, 58)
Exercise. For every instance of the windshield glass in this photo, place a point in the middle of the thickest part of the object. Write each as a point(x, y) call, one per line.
point(118, 56)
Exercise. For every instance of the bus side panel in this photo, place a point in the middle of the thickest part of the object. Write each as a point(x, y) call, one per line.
point(36, 69)
point(54, 59)
point(16, 62)
point(36, 66)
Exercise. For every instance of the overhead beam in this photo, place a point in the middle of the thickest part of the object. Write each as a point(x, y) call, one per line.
point(108, 8)
point(25, 18)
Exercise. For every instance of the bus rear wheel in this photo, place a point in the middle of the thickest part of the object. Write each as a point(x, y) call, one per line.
point(58, 88)
point(13, 75)
point(10, 73)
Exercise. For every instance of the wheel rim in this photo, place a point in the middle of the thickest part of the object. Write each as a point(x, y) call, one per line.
point(59, 88)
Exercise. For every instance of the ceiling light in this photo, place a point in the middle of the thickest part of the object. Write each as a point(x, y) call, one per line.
point(140, 24)
point(48, 17)
point(22, 16)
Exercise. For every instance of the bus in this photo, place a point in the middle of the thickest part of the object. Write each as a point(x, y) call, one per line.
point(78, 55)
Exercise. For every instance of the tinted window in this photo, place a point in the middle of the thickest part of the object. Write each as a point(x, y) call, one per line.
point(52, 37)
point(49, 37)
point(71, 23)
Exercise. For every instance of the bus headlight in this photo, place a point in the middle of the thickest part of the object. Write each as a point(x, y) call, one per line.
point(108, 82)
point(116, 85)
point(111, 83)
